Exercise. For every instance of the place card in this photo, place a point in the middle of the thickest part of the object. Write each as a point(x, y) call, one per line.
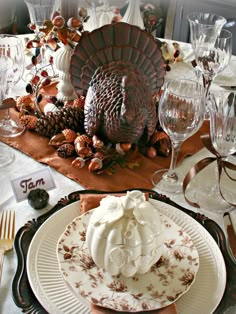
point(41, 179)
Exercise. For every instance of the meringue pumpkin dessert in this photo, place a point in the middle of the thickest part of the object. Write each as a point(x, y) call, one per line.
point(124, 234)
point(125, 253)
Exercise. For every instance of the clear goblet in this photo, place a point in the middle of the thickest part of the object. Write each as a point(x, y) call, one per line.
point(12, 55)
point(6, 154)
point(222, 109)
point(181, 114)
point(39, 12)
point(199, 22)
point(213, 54)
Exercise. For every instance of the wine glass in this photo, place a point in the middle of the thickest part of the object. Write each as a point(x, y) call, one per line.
point(222, 109)
point(181, 114)
point(6, 154)
point(39, 12)
point(199, 22)
point(213, 54)
point(12, 55)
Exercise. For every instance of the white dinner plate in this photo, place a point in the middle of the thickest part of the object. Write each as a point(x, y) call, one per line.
point(164, 283)
point(53, 293)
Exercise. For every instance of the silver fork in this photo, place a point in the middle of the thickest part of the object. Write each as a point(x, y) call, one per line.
point(7, 233)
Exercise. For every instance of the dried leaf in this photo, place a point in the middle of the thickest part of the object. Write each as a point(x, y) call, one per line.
point(47, 27)
point(52, 43)
point(66, 248)
point(133, 164)
point(62, 35)
point(67, 256)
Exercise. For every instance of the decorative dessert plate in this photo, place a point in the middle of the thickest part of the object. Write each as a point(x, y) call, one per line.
point(163, 284)
point(53, 293)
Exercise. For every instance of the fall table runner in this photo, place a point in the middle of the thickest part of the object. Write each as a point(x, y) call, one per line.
point(36, 147)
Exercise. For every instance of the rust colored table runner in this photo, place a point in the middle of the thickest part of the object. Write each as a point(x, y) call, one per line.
point(36, 147)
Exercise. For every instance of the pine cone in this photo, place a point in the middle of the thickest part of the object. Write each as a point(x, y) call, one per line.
point(65, 150)
point(55, 122)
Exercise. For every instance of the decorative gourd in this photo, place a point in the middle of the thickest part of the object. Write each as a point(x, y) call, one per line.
point(124, 234)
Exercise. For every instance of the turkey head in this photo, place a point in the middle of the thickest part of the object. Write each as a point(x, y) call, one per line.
point(118, 67)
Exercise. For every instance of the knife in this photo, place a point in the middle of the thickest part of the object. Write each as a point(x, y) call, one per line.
point(230, 232)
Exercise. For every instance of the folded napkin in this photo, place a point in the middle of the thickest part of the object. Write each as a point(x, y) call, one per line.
point(90, 201)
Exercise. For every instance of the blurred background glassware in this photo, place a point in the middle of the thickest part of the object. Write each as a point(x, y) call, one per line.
point(181, 113)
point(133, 14)
point(6, 154)
point(39, 12)
point(102, 12)
point(12, 54)
point(222, 108)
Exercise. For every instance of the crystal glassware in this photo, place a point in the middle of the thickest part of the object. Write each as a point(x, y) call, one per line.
point(222, 109)
point(6, 154)
point(39, 12)
point(181, 114)
point(213, 54)
point(12, 56)
point(199, 22)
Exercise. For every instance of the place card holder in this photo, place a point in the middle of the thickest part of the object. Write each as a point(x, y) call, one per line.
point(41, 179)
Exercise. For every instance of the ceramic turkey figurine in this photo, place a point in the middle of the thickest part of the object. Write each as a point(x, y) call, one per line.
point(119, 68)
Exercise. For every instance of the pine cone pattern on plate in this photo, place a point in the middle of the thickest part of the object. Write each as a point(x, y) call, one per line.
point(118, 67)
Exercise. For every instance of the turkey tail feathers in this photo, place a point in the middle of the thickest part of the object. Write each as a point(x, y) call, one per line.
point(117, 42)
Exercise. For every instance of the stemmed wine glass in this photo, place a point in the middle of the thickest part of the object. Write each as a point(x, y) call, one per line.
point(181, 114)
point(39, 12)
point(199, 22)
point(6, 155)
point(213, 54)
point(12, 55)
point(222, 109)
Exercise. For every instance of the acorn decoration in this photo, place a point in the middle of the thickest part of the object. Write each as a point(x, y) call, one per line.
point(25, 104)
point(78, 162)
point(95, 164)
point(160, 141)
point(66, 136)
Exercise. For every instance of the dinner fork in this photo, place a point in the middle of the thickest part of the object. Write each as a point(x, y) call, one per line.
point(7, 233)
